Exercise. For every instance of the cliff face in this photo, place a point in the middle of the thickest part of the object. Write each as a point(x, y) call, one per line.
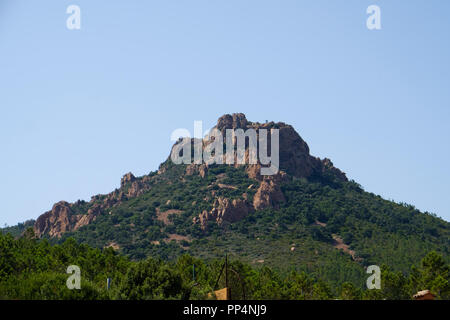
point(295, 161)
point(269, 194)
point(224, 210)
point(295, 158)
point(61, 219)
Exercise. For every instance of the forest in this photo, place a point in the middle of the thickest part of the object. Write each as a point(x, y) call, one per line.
point(32, 269)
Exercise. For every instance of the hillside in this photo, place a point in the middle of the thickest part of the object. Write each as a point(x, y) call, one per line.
point(307, 217)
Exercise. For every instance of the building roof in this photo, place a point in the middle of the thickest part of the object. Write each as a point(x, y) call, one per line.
point(422, 293)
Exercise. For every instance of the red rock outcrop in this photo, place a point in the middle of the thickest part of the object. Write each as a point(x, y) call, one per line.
point(127, 178)
point(59, 220)
point(268, 195)
point(83, 220)
point(200, 169)
point(62, 219)
point(224, 210)
point(54, 222)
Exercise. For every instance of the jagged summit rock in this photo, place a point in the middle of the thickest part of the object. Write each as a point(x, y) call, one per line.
point(295, 158)
point(127, 178)
point(232, 121)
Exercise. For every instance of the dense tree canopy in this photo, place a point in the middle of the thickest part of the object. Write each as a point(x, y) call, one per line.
point(34, 269)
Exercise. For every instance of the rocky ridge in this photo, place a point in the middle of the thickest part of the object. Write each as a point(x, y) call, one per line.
point(62, 218)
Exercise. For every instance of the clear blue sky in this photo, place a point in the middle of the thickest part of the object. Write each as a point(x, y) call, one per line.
point(81, 108)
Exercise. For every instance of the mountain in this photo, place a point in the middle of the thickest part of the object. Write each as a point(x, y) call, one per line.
point(308, 216)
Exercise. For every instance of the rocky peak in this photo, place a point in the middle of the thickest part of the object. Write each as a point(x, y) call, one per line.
point(295, 158)
point(59, 220)
point(127, 178)
point(54, 222)
point(232, 121)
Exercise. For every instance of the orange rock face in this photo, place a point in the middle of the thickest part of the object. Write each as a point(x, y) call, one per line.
point(62, 218)
point(59, 220)
point(268, 195)
point(224, 210)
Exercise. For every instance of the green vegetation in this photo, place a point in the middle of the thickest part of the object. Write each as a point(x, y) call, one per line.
point(299, 236)
point(34, 269)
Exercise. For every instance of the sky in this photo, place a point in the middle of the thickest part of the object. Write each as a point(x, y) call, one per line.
point(80, 108)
